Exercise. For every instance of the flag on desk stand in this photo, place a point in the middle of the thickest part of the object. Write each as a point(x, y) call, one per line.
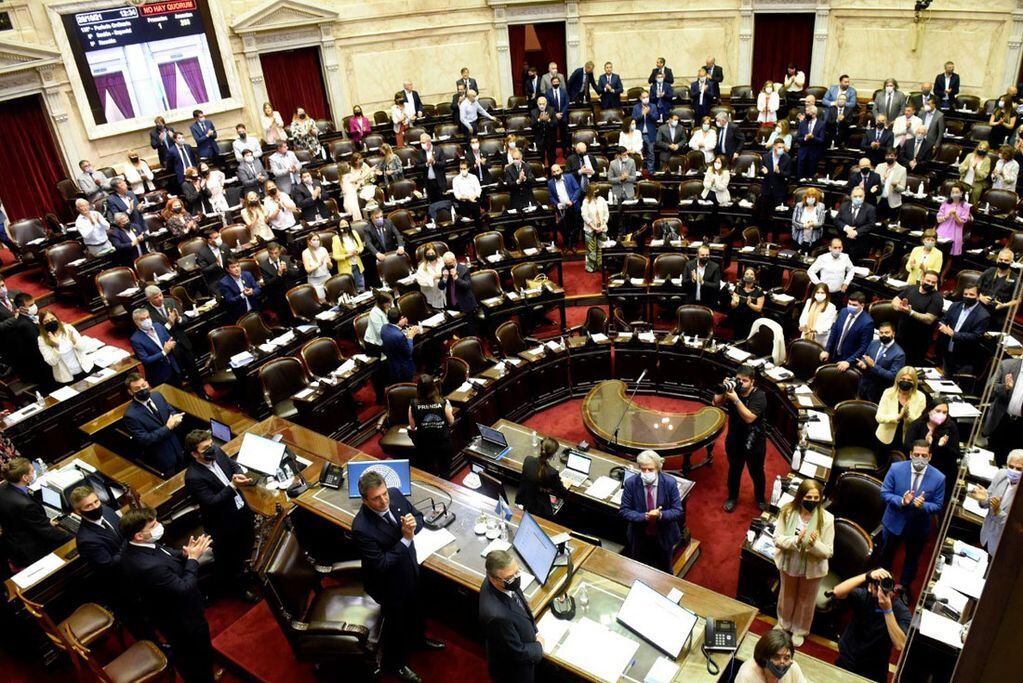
point(502, 509)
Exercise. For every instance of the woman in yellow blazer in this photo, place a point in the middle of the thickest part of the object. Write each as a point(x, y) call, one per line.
point(900, 405)
point(346, 247)
point(923, 258)
point(804, 540)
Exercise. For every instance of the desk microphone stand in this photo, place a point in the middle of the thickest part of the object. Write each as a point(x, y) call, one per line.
point(628, 405)
point(563, 606)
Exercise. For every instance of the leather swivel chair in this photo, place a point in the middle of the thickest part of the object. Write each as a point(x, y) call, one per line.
point(832, 386)
point(225, 342)
point(853, 550)
point(595, 322)
point(59, 272)
point(414, 307)
point(857, 497)
point(856, 445)
point(693, 320)
point(395, 440)
point(110, 283)
point(303, 303)
point(321, 356)
point(280, 379)
point(455, 373)
point(149, 266)
point(490, 244)
point(470, 349)
point(510, 340)
point(803, 358)
point(338, 285)
point(257, 330)
point(486, 284)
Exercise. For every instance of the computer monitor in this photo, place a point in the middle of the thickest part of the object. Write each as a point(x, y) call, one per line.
point(221, 432)
point(535, 547)
point(492, 435)
point(666, 624)
point(491, 486)
point(260, 454)
point(52, 498)
point(579, 462)
point(396, 473)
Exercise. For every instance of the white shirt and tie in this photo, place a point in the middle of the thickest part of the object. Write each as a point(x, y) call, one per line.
point(388, 517)
point(960, 321)
point(849, 321)
point(241, 289)
point(882, 351)
point(185, 155)
point(213, 467)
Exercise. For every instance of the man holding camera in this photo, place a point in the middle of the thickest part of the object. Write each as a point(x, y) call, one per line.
point(880, 619)
point(745, 443)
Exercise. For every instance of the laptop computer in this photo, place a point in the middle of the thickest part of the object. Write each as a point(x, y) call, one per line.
point(53, 505)
point(220, 431)
point(577, 469)
point(491, 442)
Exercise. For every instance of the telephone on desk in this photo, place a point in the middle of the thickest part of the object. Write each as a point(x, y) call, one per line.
point(331, 476)
point(719, 635)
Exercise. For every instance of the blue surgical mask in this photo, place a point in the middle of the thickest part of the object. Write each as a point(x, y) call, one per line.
point(1013, 476)
point(378, 221)
point(857, 201)
point(778, 670)
point(648, 477)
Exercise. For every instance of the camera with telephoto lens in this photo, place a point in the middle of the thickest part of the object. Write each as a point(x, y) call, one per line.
point(726, 385)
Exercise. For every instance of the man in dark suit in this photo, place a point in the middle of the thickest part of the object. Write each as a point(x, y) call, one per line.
point(671, 139)
point(167, 581)
point(161, 138)
point(382, 236)
point(582, 165)
point(716, 73)
point(730, 138)
point(128, 241)
point(701, 278)
point(456, 286)
point(662, 94)
point(99, 539)
point(19, 339)
point(430, 163)
point(652, 508)
point(661, 70)
point(644, 116)
point(880, 363)
point(466, 80)
point(1004, 418)
point(211, 257)
point(28, 533)
point(704, 94)
point(205, 135)
point(180, 157)
point(566, 196)
point(396, 343)
point(916, 149)
point(410, 96)
point(557, 101)
point(998, 284)
point(518, 177)
point(384, 533)
point(154, 347)
point(456, 102)
point(477, 161)
point(810, 139)
point(877, 141)
point(960, 333)
point(855, 220)
point(531, 86)
point(946, 87)
point(167, 312)
point(609, 85)
point(776, 168)
point(212, 480)
point(151, 422)
point(308, 196)
point(240, 291)
point(581, 82)
point(865, 177)
point(851, 333)
point(913, 491)
point(123, 200)
point(545, 130)
point(280, 273)
point(514, 646)
point(7, 306)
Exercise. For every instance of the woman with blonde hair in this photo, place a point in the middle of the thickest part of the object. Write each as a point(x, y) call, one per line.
point(808, 219)
point(804, 540)
point(390, 167)
point(273, 125)
point(316, 260)
point(781, 130)
point(925, 257)
point(255, 219)
point(63, 349)
point(767, 103)
point(346, 248)
point(900, 405)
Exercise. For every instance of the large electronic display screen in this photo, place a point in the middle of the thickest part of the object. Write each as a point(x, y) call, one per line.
point(140, 62)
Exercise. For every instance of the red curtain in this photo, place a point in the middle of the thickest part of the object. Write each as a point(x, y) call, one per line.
point(115, 85)
point(29, 149)
point(294, 79)
point(551, 37)
point(777, 40)
point(517, 48)
point(169, 76)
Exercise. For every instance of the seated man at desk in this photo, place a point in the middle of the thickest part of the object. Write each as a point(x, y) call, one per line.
point(28, 534)
point(514, 646)
point(652, 507)
point(384, 531)
point(880, 619)
point(151, 422)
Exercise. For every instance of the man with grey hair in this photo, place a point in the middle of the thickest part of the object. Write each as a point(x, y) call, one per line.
point(456, 286)
point(997, 499)
point(514, 646)
point(469, 112)
point(384, 530)
point(127, 240)
point(811, 143)
point(166, 312)
point(730, 138)
point(652, 508)
point(122, 199)
point(154, 348)
point(431, 165)
point(92, 227)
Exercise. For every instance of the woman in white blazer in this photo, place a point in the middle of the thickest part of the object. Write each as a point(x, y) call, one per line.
point(818, 315)
point(997, 499)
point(716, 180)
point(63, 349)
point(804, 540)
point(703, 139)
point(767, 103)
point(595, 215)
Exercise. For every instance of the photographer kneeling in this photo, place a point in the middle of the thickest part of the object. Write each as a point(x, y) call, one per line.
point(745, 443)
point(880, 619)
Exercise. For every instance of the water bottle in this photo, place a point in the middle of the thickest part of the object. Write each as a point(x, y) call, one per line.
point(504, 530)
point(584, 596)
point(535, 439)
point(797, 459)
point(776, 492)
point(40, 401)
point(40, 467)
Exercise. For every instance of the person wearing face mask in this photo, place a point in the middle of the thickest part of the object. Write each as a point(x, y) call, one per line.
point(997, 499)
point(255, 219)
point(933, 119)
point(715, 181)
point(811, 138)
point(864, 177)
point(890, 101)
point(359, 126)
point(193, 192)
point(652, 509)
point(746, 302)
point(781, 133)
point(212, 481)
point(594, 214)
point(942, 434)
point(19, 337)
point(960, 333)
point(703, 139)
point(91, 182)
point(804, 538)
point(920, 307)
point(303, 133)
point(630, 138)
point(745, 443)
point(205, 135)
point(28, 533)
point(540, 481)
point(904, 125)
point(703, 93)
point(701, 278)
point(316, 260)
point(177, 220)
point(1006, 170)
point(997, 284)
point(309, 196)
point(244, 142)
point(138, 174)
point(167, 582)
point(7, 306)
point(1002, 120)
point(211, 256)
point(880, 619)
point(975, 172)
point(893, 183)
point(730, 138)
point(917, 149)
point(565, 195)
point(818, 316)
point(151, 422)
point(381, 237)
point(879, 365)
point(772, 661)
point(645, 117)
point(855, 221)
point(808, 217)
point(99, 539)
point(835, 270)
point(946, 87)
point(609, 85)
point(900, 405)
point(63, 349)
point(838, 121)
point(925, 257)
point(877, 141)
point(913, 491)
point(428, 275)
point(851, 333)
point(545, 131)
point(514, 646)
point(662, 95)
point(622, 174)
point(670, 139)
point(251, 173)
point(767, 103)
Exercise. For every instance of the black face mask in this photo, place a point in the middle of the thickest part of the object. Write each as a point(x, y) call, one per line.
point(927, 288)
point(431, 257)
point(982, 152)
point(809, 505)
point(968, 301)
point(51, 326)
point(702, 261)
point(210, 454)
point(905, 385)
point(884, 339)
point(95, 514)
point(242, 135)
point(358, 112)
point(142, 395)
point(513, 583)
point(1003, 266)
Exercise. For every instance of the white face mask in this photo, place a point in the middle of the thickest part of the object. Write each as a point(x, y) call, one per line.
point(717, 165)
point(33, 310)
point(218, 241)
point(632, 127)
point(705, 126)
point(646, 100)
point(464, 173)
point(475, 146)
point(648, 477)
point(810, 201)
point(156, 533)
point(511, 145)
point(889, 89)
point(769, 90)
point(819, 296)
point(147, 324)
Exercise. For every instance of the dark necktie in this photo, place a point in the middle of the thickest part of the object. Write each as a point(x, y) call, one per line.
point(7, 304)
point(152, 406)
point(651, 503)
point(723, 131)
point(845, 330)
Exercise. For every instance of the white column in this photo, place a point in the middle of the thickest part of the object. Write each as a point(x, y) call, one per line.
point(255, 69)
point(572, 57)
point(506, 83)
point(55, 100)
point(1014, 54)
point(820, 45)
point(744, 73)
point(336, 95)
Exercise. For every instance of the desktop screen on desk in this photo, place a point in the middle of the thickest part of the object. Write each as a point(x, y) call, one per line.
point(535, 547)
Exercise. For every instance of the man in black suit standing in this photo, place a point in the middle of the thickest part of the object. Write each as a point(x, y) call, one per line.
point(412, 102)
point(531, 86)
point(431, 165)
point(384, 530)
point(151, 422)
point(28, 533)
point(167, 581)
point(701, 278)
point(466, 80)
point(865, 177)
point(180, 157)
point(730, 138)
point(582, 165)
point(280, 272)
point(456, 286)
point(716, 73)
point(519, 179)
point(212, 480)
point(671, 139)
point(916, 150)
point(661, 69)
point(161, 138)
point(776, 167)
point(477, 161)
point(167, 312)
point(960, 333)
point(855, 220)
point(380, 237)
point(212, 257)
point(545, 131)
point(308, 196)
point(19, 339)
point(514, 646)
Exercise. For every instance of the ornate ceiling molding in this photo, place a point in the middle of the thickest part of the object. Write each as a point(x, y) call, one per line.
point(282, 14)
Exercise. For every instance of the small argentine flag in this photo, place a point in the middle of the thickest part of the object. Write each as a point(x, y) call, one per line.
point(502, 509)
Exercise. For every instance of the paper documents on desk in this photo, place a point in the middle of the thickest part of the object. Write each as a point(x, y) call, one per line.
point(980, 464)
point(99, 376)
point(496, 544)
point(971, 505)
point(596, 650)
point(602, 488)
point(90, 344)
point(952, 597)
point(962, 409)
point(808, 469)
point(943, 386)
point(966, 582)
point(818, 458)
point(819, 429)
point(805, 401)
point(433, 321)
point(429, 541)
point(37, 571)
point(737, 355)
point(663, 671)
point(64, 393)
point(551, 629)
point(941, 628)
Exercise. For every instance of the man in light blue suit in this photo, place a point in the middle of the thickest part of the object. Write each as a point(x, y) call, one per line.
point(913, 492)
point(843, 88)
